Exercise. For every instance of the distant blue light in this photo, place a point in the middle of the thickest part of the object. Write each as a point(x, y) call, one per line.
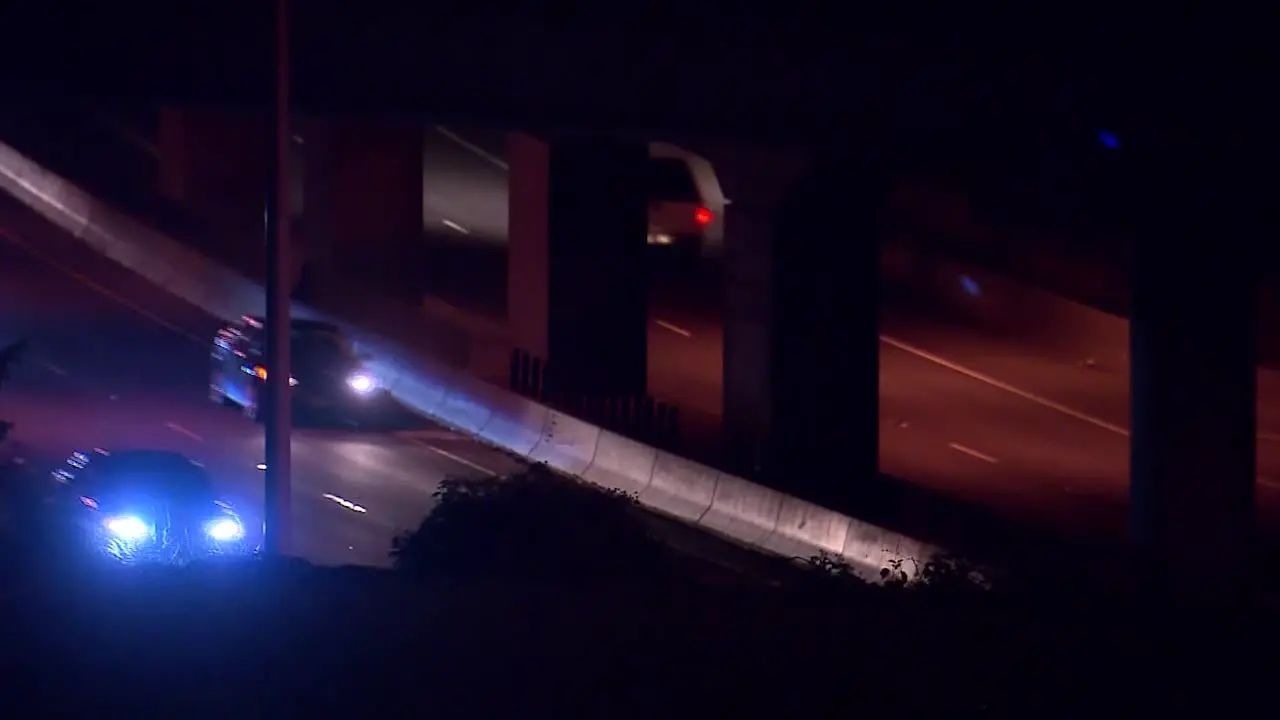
point(970, 286)
point(1109, 140)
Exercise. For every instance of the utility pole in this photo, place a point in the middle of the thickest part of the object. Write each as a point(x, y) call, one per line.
point(276, 404)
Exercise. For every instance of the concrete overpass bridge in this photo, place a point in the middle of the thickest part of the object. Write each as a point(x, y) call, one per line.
point(807, 130)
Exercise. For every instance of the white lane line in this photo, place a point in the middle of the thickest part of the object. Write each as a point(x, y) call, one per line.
point(973, 453)
point(55, 369)
point(925, 354)
point(974, 374)
point(446, 454)
point(673, 328)
point(344, 503)
point(455, 226)
point(499, 162)
point(183, 431)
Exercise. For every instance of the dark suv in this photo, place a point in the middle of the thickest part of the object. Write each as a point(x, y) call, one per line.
point(328, 373)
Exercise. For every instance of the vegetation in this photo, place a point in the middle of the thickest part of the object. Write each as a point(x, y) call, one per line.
point(598, 537)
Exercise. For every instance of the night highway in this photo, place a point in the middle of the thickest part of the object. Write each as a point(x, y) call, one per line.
point(1020, 425)
point(115, 363)
point(1017, 424)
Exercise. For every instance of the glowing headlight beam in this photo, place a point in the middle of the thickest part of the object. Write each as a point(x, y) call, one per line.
point(224, 529)
point(361, 383)
point(345, 503)
point(128, 527)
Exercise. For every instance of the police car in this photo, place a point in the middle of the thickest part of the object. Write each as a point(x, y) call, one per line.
point(142, 505)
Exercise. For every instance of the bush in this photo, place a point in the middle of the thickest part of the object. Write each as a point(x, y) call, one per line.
point(532, 527)
point(539, 527)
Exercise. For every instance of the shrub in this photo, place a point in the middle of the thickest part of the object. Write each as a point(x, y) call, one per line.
point(532, 527)
point(944, 575)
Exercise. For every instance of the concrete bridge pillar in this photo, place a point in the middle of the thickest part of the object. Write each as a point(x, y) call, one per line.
point(577, 290)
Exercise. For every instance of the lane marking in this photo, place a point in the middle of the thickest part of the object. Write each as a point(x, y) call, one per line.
point(183, 431)
point(499, 162)
point(1046, 402)
point(454, 457)
point(55, 369)
point(673, 328)
point(344, 503)
point(975, 375)
point(455, 226)
point(973, 453)
point(97, 287)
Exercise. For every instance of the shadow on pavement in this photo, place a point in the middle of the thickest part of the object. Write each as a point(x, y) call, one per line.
point(987, 535)
point(383, 414)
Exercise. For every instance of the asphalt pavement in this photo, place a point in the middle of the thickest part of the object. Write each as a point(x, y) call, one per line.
point(115, 362)
point(1019, 424)
point(1026, 429)
point(1012, 424)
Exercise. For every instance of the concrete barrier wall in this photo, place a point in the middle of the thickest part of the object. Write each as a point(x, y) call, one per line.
point(715, 501)
point(622, 464)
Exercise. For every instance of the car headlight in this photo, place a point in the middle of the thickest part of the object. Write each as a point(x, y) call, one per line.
point(128, 527)
point(225, 529)
point(362, 383)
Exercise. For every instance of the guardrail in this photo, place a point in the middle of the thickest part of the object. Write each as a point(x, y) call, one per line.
point(675, 486)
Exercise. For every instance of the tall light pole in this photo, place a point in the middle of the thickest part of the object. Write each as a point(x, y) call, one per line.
point(276, 405)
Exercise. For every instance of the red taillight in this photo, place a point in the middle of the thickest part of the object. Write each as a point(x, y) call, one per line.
point(703, 216)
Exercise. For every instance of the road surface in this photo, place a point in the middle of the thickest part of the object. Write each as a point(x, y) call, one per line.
point(1020, 426)
point(116, 362)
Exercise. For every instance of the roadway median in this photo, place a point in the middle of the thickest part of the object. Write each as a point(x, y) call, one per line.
point(677, 487)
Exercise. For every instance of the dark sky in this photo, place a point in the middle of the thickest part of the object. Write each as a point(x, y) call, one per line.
point(394, 47)
point(804, 67)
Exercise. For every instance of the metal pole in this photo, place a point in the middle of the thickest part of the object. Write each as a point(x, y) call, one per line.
point(278, 423)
